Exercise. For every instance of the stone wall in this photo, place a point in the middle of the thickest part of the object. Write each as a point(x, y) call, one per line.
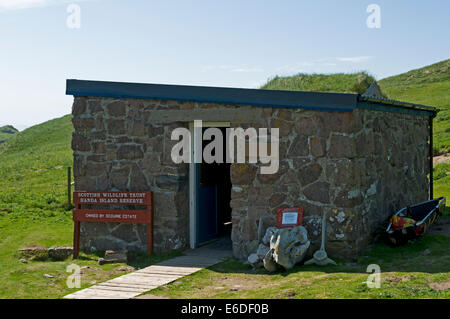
point(116, 149)
point(360, 167)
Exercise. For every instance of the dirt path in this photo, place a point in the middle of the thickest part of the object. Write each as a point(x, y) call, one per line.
point(444, 158)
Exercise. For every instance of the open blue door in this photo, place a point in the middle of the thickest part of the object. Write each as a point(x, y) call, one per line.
point(206, 208)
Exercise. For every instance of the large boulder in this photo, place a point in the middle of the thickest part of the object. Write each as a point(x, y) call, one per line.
point(281, 248)
point(288, 247)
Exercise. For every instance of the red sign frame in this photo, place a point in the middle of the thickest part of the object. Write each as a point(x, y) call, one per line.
point(138, 216)
point(280, 212)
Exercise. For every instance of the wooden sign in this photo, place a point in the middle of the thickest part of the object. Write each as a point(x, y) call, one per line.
point(138, 216)
point(289, 217)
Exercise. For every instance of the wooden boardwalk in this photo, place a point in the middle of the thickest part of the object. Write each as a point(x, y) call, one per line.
point(140, 281)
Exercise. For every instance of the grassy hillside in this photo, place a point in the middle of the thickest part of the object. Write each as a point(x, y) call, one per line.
point(429, 85)
point(33, 208)
point(6, 132)
point(32, 164)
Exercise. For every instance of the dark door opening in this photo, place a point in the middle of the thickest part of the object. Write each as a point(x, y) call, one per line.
point(213, 185)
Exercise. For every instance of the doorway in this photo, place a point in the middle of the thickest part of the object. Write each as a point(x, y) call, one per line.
point(212, 195)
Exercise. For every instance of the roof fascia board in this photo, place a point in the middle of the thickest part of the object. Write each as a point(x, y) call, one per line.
point(393, 108)
point(236, 96)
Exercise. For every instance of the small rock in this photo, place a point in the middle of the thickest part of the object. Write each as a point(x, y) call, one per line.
point(34, 253)
point(48, 276)
point(125, 268)
point(23, 260)
point(60, 253)
point(426, 252)
point(262, 251)
point(253, 259)
point(114, 257)
point(120, 256)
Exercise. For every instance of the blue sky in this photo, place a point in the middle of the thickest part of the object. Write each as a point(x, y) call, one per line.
point(215, 43)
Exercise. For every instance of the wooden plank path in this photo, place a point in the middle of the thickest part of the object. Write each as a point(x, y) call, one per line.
point(145, 279)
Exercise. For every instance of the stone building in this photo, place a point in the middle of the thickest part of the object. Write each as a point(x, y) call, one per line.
point(358, 157)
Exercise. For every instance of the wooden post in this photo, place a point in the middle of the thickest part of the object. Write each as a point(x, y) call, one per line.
point(150, 227)
point(69, 187)
point(76, 239)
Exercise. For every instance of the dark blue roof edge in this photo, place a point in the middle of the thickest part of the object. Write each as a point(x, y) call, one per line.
point(383, 107)
point(344, 102)
point(420, 108)
point(321, 101)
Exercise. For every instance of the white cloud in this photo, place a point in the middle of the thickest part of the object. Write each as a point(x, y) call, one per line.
point(6, 5)
point(232, 68)
point(355, 59)
point(247, 69)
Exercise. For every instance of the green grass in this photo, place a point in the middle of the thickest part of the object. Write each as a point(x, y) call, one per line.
point(26, 280)
point(338, 82)
point(430, 86)
point(6, 132)
point(441, 181)
point(405, 273)
point(33, 175)
point(34, 212)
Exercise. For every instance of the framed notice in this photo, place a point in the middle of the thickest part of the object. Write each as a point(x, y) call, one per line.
point(289, 217)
